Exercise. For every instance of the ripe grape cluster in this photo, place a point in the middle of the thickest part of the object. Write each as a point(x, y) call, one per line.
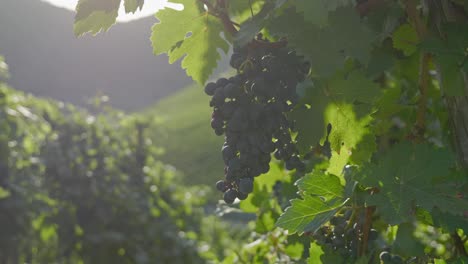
point(343, 236)
point(250, 110)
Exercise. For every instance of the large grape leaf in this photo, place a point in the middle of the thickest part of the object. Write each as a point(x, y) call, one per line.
point(316, 11)
point(327, 48)
point(191, 35)
point(405, 177)
point(311, 212)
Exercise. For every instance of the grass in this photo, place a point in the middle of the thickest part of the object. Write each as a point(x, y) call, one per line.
point(189, 142)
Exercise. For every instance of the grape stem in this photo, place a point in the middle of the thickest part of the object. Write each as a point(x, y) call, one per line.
point(366, 229)
point(423, 83)
point(459, 245)
point(222, 14)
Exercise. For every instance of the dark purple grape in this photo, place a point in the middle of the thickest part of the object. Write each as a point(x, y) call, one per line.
point(246, 185)
point(210, 88)
point(221, 186)
point(230, 196)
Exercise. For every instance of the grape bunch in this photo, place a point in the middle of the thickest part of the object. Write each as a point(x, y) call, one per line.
point(343, 235)
point(250, 109)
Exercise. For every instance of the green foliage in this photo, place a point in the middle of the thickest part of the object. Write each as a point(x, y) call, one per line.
point(317, 12)
point(406, 39)
point(450, 54)
point(85, 188)
point(327, 48)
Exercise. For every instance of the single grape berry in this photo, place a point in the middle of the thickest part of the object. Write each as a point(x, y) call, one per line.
point(242, 196)
point(230, 196)
point(246, 185)
point(221, 186)
point(373, 234)
point(210, 88)
point(385, 256)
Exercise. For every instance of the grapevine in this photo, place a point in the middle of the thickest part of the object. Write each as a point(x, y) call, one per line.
point(363, 106)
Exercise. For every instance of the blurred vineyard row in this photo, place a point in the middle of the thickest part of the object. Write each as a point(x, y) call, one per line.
point(87, 186)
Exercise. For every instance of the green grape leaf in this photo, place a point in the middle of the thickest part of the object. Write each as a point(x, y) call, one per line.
point(347, 130)
point(321, 184)
point(300, 215)
point(405, 243)
point(449, 222)
point(294, 250)
point(337, 162)
point(351, 87)
point(315, 251)
point(131, 6)
point(406, 39)
point(311, 212)
point(316, 11)
point(85, 8)
point(310, 125)
point(319, 255)
point(94, 16)
point(381, 60)
point(405, 177)
point(191, 35)
point(451, 58)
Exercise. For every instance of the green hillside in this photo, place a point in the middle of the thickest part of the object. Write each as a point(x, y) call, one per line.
point(190, 144)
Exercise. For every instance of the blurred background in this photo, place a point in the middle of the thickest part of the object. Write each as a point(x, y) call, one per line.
point(100, 141)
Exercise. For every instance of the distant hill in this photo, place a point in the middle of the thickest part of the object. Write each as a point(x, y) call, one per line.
point(46, 59)
point(189, 142)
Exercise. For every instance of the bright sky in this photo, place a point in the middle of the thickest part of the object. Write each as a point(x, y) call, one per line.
point(149, 8)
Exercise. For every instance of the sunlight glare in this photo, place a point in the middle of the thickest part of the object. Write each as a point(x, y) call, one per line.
point(149, 8)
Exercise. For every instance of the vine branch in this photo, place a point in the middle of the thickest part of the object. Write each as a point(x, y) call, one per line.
point(423, 82)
